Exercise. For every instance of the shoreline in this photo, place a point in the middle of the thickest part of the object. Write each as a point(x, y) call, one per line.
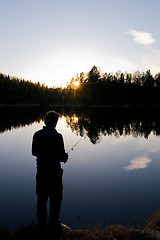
point(112, 232)
point(82, 105)
point(150, 231)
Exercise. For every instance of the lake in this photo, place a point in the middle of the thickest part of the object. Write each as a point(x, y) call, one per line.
point(113, 171)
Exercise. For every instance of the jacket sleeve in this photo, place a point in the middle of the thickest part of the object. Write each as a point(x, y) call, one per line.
point(62, 153)
point(34, 146)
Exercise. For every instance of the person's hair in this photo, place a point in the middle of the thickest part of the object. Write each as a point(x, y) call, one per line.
point(51, 118)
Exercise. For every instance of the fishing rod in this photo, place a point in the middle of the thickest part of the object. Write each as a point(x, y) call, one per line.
point(72, 148)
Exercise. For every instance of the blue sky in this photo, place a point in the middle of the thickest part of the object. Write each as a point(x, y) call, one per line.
point(50, 41)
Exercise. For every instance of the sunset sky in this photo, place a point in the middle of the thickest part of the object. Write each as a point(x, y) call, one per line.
point(50, 41)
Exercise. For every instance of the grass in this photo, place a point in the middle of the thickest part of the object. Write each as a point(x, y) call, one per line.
point(114, 232)
point(153, 223)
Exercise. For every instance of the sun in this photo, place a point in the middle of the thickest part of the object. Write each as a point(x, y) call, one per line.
point(76, 84)
point(75, 119)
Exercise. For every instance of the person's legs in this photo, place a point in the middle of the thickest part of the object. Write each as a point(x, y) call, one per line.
point(55, 205)
point(41, 209)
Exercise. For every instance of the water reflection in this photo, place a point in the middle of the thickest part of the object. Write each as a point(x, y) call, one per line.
point(91, 122)
point(15, 117)
point(138, 163)
point(110, 179)
point(95, 122)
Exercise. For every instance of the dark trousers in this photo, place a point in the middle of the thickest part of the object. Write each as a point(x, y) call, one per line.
point(51, 190)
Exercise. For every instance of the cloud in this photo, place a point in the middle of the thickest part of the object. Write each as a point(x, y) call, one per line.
point(140, 37)
point(138, 163)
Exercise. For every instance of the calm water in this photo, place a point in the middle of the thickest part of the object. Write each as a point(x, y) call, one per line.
point(112, 175)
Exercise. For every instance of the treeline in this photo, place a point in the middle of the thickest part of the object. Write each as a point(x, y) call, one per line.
point(93, 87)
point(119, 88)
point(19, 91)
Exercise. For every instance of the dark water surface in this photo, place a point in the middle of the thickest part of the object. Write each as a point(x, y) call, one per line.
point(112, 175)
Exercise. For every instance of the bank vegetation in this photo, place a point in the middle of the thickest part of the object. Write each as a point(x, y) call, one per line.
point(92, 88)
point(151, 231)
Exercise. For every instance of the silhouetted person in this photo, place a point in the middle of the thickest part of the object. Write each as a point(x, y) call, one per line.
point(48, 147)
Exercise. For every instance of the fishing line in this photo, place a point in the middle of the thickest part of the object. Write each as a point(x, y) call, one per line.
point(72, 148)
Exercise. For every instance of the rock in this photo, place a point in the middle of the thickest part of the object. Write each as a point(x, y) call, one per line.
point(65, 228)
point(142, 235)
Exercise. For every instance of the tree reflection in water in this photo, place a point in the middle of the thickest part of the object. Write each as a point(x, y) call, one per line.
point(122, 121)
point(15, 117)
point(91, 122)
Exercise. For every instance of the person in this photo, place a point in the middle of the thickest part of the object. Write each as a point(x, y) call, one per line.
point(48, 147)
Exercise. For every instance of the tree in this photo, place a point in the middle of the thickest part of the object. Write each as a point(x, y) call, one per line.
point(82, 77)
point(149, 80)
point(93, 75)
point(157, 80)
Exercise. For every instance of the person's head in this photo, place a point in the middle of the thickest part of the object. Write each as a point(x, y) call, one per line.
point(51, 118)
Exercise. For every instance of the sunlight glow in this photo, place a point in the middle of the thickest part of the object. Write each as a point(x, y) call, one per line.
point(56, 69)
point(75, 119)
point(76, 84)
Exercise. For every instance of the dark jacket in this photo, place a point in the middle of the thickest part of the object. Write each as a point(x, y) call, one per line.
point(48, 147)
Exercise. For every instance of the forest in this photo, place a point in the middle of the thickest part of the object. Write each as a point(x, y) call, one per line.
point(92, 88)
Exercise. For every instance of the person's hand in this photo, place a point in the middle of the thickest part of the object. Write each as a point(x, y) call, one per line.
point(66, 157)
